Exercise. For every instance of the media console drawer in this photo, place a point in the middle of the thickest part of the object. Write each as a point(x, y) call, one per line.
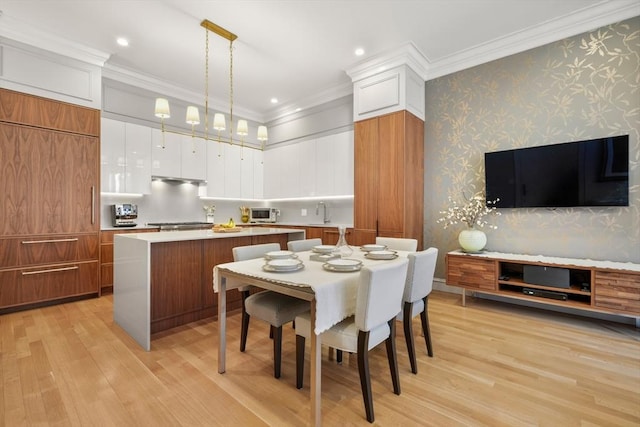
point(618, 291)
point(469, 272)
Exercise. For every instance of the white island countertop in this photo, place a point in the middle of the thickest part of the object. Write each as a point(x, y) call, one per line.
point(175, 236)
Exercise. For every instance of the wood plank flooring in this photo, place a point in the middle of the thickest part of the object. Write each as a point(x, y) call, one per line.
point(495, 364)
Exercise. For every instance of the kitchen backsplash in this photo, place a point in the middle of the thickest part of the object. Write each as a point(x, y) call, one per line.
point(173, 201)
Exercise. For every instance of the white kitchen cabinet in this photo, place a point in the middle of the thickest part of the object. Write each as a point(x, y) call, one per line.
point(313, 168)
point(166, 154)
point(341, 145)
point(306, 162)
point(137, 159)
point(258, 174)
point(232, 171)
point(125, 157)
point(193, 158)
point(215, 169)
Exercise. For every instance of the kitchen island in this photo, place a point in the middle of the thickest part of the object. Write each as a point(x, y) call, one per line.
point(165, 279)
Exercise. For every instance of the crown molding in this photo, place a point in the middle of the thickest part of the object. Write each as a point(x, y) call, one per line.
point(405, 54)
point(25, 33)
point(163, 88)
point(588, 19)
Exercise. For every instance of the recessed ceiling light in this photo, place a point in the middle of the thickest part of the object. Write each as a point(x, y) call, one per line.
point(122, 41)
point(274, 100)
point(359, 51)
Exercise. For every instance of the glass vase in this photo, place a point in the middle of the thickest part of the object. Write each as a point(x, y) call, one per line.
point(342, 247)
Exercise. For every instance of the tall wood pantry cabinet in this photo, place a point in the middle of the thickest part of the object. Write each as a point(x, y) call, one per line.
point(389, 178)
point(49, 215)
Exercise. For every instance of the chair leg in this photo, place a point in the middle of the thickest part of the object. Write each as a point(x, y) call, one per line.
point(299, 360)
point(339, 356)
point(363, 369)
point(245, 323)
point(391, 355)
point(424, 316)
point(271, 332)
point(408, 336)
point(277, 350)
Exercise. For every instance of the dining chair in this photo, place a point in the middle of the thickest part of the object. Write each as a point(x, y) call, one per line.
point(398, 244)
point(379, 300)
point(268, 306)
point(303, 245)
point(418, 286)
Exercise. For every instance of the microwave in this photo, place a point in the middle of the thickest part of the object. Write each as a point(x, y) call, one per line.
point(263, 215)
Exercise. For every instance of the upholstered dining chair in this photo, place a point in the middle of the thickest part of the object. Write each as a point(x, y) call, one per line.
point(398, 244)
point(418, 286)
point(378, 302)
point(303, 245)
point(268, 306)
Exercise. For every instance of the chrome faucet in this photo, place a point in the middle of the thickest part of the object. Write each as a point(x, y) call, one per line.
point(325, 219)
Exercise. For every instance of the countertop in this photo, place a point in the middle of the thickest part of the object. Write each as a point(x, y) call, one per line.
point(174, 236)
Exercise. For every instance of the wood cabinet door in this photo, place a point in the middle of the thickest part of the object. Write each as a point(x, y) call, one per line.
point(49, 181)
point(390, 186)
point(365, 175)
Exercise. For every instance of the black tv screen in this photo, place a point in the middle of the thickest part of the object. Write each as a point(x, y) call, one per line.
point(583, 173)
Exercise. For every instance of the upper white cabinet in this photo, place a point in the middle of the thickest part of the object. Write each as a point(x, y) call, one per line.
point(125, 157)
point(178, 156)
point(194, 158)
point(234, 172)
point(313, 168)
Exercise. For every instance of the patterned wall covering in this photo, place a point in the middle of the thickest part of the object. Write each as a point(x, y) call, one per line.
point(579, 88)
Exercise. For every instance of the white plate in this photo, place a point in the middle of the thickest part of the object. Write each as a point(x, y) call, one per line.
point(323, 249)
point(381, 255)
point(329, 267)
point(343, 264)
point(278, 254)
point(368, 248)
point(284, 264)
point(272, 269)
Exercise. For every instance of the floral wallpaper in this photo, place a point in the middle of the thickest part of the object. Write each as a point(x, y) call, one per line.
point(583, 87)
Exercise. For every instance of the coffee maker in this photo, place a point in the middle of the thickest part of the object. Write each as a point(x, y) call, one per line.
point(124, 215)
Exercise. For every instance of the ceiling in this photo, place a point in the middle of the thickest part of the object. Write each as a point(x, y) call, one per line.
point(298, 51)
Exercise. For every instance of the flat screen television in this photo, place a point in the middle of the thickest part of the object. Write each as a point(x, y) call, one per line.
point(583, 173)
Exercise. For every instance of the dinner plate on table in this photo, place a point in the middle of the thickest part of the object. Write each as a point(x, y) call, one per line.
point(323, 249)
point(283, 265)
point(343, 265)
point(368, 248)
point(279, 255)
point(381, 255)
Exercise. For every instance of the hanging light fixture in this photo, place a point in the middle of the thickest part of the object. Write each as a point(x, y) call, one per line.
point(162, 110)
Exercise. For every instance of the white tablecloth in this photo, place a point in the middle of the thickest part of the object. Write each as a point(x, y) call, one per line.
point(335, 292)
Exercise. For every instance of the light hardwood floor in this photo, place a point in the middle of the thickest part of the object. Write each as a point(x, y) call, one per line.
point(495, 364)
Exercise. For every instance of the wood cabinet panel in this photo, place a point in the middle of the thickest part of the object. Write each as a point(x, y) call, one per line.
point(45, 284)
point(280, 239)
point(50, 181)
point(617, 291)
point(467, 272)
point(219, 251)
point(31, 110)
point(389, 177)
point(365, 175)
point(176, 280)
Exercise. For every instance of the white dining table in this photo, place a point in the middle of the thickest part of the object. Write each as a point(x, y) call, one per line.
point(332, 296)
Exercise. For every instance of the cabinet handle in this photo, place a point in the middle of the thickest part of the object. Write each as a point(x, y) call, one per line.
point(28, 273)
point(29, 242)
point(93, 204)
